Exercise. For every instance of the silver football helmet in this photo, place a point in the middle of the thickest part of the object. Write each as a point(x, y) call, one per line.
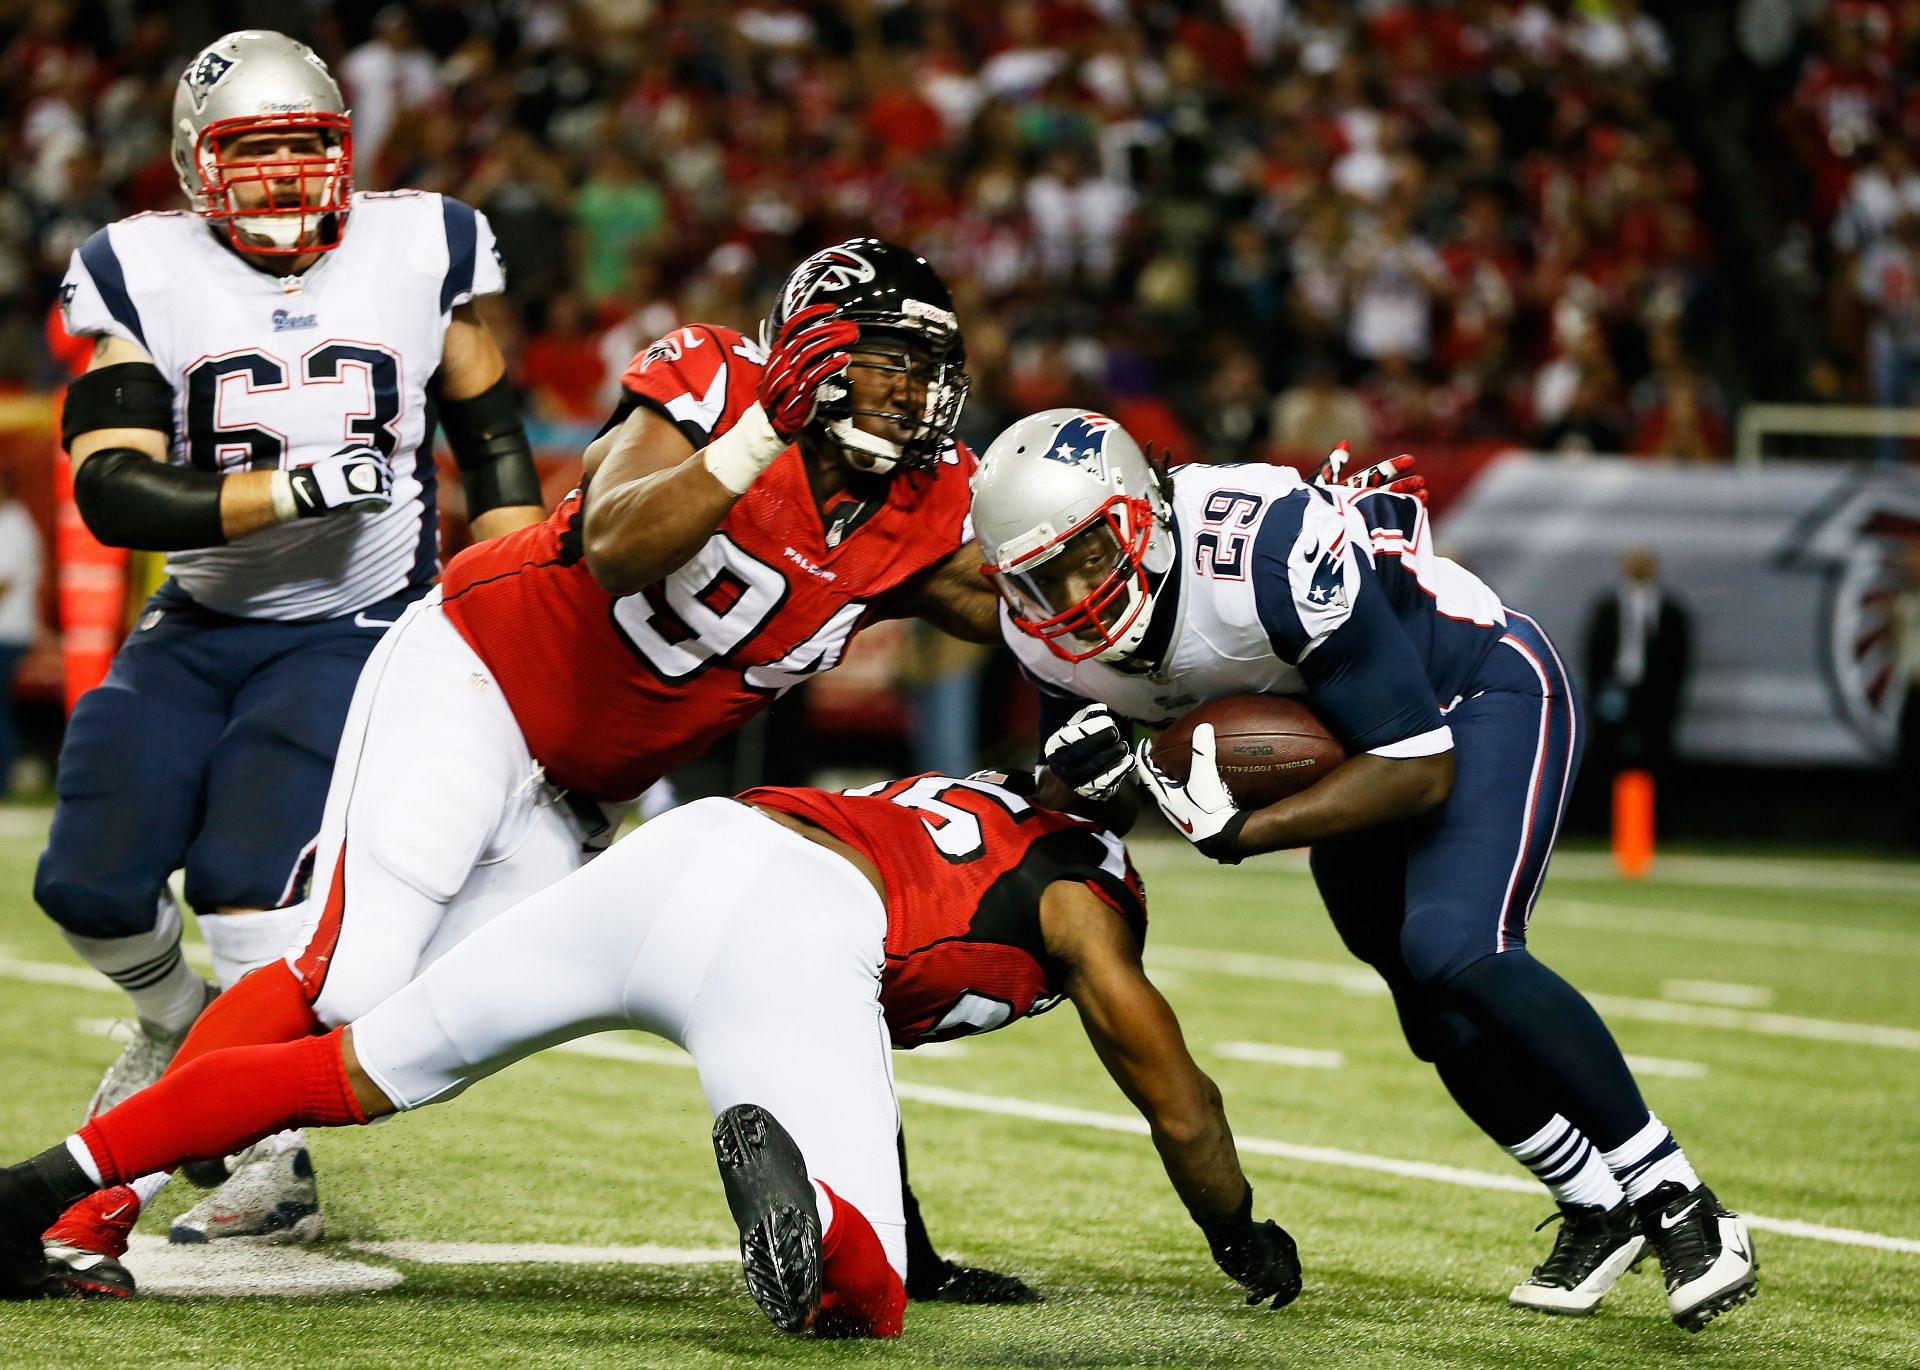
point(277, 200)
point(1075, 532)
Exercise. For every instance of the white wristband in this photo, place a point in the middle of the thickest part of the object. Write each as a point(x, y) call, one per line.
point(738, 456)
point(285, 508)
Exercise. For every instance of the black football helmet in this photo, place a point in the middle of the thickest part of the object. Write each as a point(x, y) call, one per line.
point(907, 325)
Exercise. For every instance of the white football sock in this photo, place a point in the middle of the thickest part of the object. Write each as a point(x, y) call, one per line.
point(166, 993)
point(1570, 1166)
point(1649, 1159)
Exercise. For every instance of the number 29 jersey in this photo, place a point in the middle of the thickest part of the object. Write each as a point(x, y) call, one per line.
point(268, 378)
point(613, 691)
point(965, 863)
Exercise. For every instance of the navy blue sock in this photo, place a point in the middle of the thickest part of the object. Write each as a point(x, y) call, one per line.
point(1513, 995)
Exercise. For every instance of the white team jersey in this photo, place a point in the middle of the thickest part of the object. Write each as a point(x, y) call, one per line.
point(1270, 571)
point(267, 378)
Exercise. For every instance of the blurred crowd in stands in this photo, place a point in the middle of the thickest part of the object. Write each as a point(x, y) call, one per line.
point(1238, 224)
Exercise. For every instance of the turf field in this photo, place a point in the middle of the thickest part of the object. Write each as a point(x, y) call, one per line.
point(1773, 995)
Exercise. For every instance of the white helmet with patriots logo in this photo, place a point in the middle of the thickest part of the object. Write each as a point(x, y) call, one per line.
point(1075, 532)
point(256, 81)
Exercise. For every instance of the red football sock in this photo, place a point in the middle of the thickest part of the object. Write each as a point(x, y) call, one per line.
point(861, 1296)
point(222, 1103)
point(267, 1005)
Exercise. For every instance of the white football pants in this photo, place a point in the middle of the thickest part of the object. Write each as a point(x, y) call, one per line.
point(714, 927)
point(436, 819)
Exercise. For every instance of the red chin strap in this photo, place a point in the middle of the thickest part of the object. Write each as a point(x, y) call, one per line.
point(325, 183)
point(1081, 621)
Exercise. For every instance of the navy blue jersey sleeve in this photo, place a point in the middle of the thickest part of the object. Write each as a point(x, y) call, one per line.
point(1325, 613)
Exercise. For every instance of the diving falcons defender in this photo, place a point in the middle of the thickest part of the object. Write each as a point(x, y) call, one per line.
point(786, 939)
point(257, 406)
point(1151, 594)
point(746, 516)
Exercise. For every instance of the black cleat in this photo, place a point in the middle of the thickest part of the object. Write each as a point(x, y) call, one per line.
point(950, 1283)
point(1594, 1248)
point(772, 1202)
point(76, 1273)
point(1705, 1253)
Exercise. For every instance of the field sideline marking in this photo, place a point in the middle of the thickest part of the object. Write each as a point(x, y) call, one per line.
point(612, 1048)
point(1259, 967)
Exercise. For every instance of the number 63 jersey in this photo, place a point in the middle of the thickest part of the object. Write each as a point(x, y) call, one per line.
point(613, 691)
point(269, 378)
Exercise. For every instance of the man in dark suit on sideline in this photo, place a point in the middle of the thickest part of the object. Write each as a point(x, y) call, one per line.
point(1638, 643)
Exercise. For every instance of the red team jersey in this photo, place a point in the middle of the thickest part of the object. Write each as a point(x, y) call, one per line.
point(611, 692)
point(965, 863)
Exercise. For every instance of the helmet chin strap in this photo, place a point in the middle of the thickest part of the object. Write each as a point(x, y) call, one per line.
point(864, 451)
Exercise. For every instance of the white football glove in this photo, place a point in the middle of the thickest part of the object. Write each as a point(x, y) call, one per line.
point(356, 479)
point(1089, 753)
point(1201, 809)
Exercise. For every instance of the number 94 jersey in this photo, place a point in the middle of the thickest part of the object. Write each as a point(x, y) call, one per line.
point(965, 862)
point(265, 378)
point(613, 691)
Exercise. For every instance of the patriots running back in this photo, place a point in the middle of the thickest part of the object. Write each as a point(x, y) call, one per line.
point(1129, 595)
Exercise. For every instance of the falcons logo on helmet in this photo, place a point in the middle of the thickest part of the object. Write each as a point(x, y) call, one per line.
point(835, 268)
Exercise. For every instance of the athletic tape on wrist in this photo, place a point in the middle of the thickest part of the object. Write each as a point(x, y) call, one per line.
point(738, 456)
point(285, 507)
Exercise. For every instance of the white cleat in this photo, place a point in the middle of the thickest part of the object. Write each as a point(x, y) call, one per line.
point(146, 1056)
point(1596, 1246)
point(269, 1192)
point(1706, 1253)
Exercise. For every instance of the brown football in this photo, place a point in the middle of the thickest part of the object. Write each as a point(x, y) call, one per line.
point(1268, 746)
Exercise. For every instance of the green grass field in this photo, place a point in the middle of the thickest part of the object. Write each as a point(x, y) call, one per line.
point(1791, 1077)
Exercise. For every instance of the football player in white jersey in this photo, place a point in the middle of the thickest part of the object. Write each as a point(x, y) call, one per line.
point(259, 406)
point(1128, 595)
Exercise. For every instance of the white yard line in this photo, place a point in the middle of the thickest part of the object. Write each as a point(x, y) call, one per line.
point(1673, 1070)
point(1898, 878)
point(1350, 976)
point(1717, 992)
point(1361, 980)
point(1266, 1053)
point(616, 1048)
point(1733, 929)
point(544, 1253)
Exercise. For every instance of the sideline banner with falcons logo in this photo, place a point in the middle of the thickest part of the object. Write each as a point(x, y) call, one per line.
point(1793, 573)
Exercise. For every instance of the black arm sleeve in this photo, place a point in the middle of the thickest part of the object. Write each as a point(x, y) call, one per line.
point(127, 499)
point(490, 447)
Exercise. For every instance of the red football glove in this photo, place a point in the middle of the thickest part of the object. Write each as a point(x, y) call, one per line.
point(1385, 475)
point(810, 349)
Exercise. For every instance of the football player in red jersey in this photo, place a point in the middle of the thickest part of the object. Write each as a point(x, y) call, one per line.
point(786, 939)
point(746, 514)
